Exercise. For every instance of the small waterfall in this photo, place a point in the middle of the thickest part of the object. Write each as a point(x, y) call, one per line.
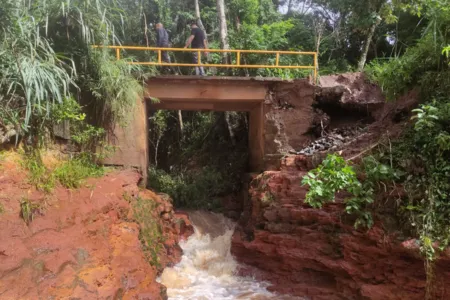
point(207, 270)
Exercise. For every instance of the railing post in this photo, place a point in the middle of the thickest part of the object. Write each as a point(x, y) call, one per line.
point(278, 59)
point(159, 56)
point(118, 53)
point(315, 68)
point(238, 58)
point(199, 60)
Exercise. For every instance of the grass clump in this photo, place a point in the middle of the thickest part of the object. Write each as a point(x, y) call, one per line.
point(38, 176)
point(151, 235)
point(28, 210)
point(72, 173)
point(2, 209)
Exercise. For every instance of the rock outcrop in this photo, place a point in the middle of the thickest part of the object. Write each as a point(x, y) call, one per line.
point(317, 253)
point(81, 244)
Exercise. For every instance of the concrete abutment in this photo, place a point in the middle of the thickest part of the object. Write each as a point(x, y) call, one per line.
point(280, 114)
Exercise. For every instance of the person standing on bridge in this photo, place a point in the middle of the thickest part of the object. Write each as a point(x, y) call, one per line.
point(197, 40)
point(162, 41)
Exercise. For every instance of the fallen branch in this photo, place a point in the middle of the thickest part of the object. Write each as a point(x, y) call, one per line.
point(363, 152)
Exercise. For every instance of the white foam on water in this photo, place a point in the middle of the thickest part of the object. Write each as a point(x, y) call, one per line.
point(207, 270)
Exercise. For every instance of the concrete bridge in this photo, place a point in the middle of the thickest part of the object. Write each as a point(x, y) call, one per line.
point(280, 114)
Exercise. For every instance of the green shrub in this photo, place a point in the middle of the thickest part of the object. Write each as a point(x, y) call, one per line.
point(82, 133)
point(424, 155)
point(334, 175)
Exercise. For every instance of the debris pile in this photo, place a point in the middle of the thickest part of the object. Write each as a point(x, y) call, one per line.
point(332, 140)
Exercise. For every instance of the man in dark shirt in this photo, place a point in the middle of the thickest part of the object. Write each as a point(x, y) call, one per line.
point(162, 41)
point(197, 40)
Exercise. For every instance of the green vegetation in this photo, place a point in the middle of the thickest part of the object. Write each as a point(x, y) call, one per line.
point(51, 76)
point(336, 175)
point(38, 176)
point(424, 153)
point(28, 210)
point(151, 235)
point(420, 161)
point(46, 57)
point(69, 173)
point(204, 164)
point(72, 173)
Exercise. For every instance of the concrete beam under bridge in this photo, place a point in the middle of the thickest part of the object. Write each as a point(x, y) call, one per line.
point(258, 96)
point(217, 94)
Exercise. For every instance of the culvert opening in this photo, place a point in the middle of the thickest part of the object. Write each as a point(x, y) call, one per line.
point(199, 158)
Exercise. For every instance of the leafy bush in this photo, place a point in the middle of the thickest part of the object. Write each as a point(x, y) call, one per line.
point(425, 155)
point(82, 133)
point(334, 175)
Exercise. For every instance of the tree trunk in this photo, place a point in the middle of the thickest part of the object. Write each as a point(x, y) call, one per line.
point(197, 15)
point(289, 7)
point(363, 59)
point(180, 120)
point(223, 34)
point(223, 31)
point(230, 127)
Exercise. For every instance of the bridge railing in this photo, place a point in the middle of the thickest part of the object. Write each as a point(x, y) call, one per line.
point(238, 53)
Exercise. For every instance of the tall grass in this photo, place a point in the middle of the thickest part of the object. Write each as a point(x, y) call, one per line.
point(42, 50)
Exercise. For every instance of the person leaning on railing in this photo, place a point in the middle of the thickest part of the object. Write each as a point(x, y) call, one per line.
point(197, 40)
point(162, 41)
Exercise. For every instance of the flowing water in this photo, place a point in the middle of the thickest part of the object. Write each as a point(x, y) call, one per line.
point(207, 270)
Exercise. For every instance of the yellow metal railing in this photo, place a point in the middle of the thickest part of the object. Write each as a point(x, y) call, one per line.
point(238, 64)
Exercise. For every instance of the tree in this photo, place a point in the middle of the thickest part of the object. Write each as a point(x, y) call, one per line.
point(223, 30)
point(197, 15)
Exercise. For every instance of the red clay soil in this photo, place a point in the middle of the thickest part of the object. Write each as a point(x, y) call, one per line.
point(317, 253)
point(82, 244)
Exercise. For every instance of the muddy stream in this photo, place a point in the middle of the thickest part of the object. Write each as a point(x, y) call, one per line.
point(207, 269)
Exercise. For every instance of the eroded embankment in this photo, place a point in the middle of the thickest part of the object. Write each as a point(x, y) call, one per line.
point(82, 244)
point(317, 253)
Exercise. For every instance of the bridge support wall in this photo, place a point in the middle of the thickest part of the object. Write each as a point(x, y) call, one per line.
point(280, 114)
